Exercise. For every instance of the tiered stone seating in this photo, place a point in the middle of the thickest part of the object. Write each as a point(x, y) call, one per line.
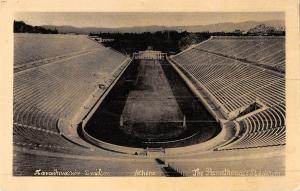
point(33, 47)
point(266, 128)
point(269, 51)
point(236, 84)
point(44, 94)
point(232, 82)
point(50, 141)
point(39, 138)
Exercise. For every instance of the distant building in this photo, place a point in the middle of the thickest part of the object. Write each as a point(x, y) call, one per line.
point(149, 54)
point(264, 30)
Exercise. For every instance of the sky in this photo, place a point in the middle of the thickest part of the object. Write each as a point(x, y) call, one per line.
point(128, 19)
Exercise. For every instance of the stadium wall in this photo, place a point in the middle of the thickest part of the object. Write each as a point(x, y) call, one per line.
point(111, 147)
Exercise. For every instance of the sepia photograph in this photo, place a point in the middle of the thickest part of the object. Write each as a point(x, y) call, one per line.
point(149, 94)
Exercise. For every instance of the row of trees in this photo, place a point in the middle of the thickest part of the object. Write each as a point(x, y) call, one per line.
point(170, 42)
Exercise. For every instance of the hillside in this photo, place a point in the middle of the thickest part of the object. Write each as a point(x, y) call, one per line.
point(22, 27)
point(219, 27)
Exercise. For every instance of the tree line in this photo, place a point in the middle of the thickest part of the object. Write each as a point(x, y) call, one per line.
point(170, 42)
point(22, 27)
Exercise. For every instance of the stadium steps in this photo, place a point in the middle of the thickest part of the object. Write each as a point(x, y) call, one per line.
point(263, 52)
point(168, 170)
point(262, 129)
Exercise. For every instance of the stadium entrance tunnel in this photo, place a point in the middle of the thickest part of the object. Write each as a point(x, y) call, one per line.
point(150, 106)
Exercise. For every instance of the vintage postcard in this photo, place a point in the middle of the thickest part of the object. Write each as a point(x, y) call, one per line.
point(133, 93)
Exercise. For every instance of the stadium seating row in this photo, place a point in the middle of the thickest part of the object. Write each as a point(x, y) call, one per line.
point(236, 84)
point(47, 140)
point(60, 89)
point(269, 51)
point(232, 82)
point(45, 94)
point(266, 128)
point(33, 47)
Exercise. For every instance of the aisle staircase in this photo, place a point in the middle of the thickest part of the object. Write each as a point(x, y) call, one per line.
point(168, 170)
